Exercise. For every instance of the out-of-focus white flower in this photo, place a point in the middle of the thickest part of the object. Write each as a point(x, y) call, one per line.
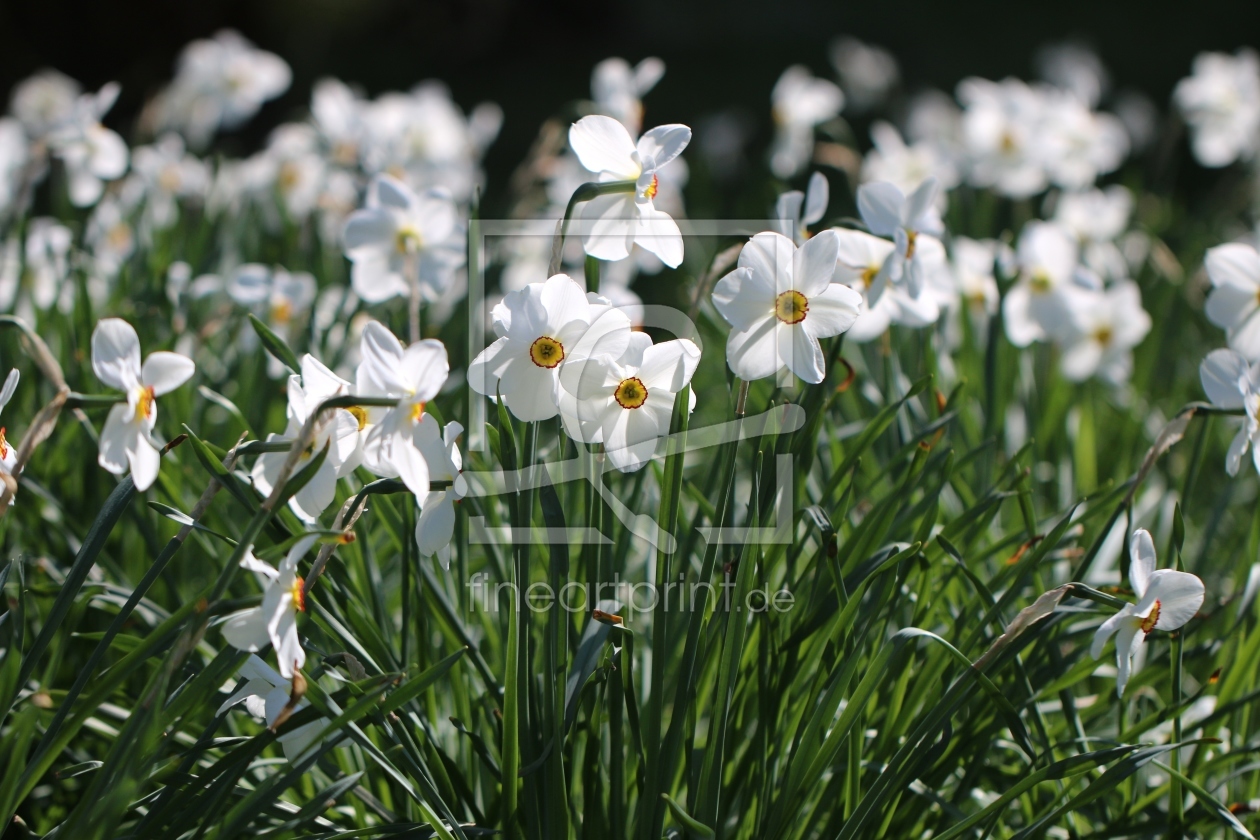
point(619, 221)
point(274, 621)
point(904, 219)
point(266, 694)
point(14, 157)
point(281, 298)
point(8, 456)
point(126, 439)
point(799, 103)
point(1074, 68)
point(860, 256)
point(338, 113)
point(1230, 382)
point(907, 166)
point(436, 524)
point(44, 101)
point(47, 259)
point(220, 83)
point(867, 73)
point(169, 175)
point(933, 117)
point(338, 430)
point(1234, 302)
point(398, 231)
point(1098, 218)
point(1039, 306)
point(1167, 599)
point(538, 328)
point(91, 152)
point(626, 402)
point(780, 301)
point(1077, 144)
point(1000, 126)
point(618, 88)
point(973, 263)
point(110, 236)
point(1140, 117)
point(796, 210)
point(299, 169)
point(1221, 102)
point(1102, 334)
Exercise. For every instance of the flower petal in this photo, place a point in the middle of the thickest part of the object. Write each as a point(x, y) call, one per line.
point(814, 263)
point(116, 353)
point(1180, 595)
point(1222, 373)
point(753, 353)
point(656, 232)
point(832, 311)
point(164, 372)
point(744, 297)
point(424, 367)
point(881, 204)
point(603, 145)
point(1141, 560)
point(662, 144)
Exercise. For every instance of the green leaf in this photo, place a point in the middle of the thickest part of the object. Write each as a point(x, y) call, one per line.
point(275, 345)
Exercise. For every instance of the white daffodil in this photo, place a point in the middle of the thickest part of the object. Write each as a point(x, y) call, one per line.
point(399, 231)
point(906, 166)
point(1075, 144)
point(44, 101)
point(1103, 332)
point(1230, 382)
point(1167, 599)
point(889, 212)
point(8, 457)
point(1039, 306)
point(859, 259)
point(618, 88)
point(1221, 102)
point(266, 694)
point(1000, 125)
point(169, 175)
point(436, 524)
point(616, 222)
point(126, 439)
point(796, 210)
point(339, 431)
point(1098, 218)
point(626, 403)
point(280, 298)
point(974, 263)
point(1234, 302)
point(799, 103)
point(110, 236)
point(15, 157)
point(867, 73)
point(48, 244)
point(91, 152)
point(399, 436)
point(274, 621)
point(538, 328)
point(780, 301)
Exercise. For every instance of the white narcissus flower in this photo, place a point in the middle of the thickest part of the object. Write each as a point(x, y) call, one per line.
point(618, 88)
point(539, 327)
point(1039, 306)
point(796, 210)
point(780, 301)
point(626, 403)
point(126, 439)
point(1167, 599)
point(973, 263)
point(1000, 124)
point(274, 621)
point(44, 101)
point(799, 103)
point(168, 174)
point(616, 222)
point(8, 457)
point(396, 442)
point(48, 244)
point(279, 297)
point(889, 212)
point(266, 694)
point(867, 73)
point(1104, 330)
point(859, 259)
point(1234, 302)
point(339, 431)
point(1230, 382)
point(1221, 102)
point(1076, 144)
point(436, 524)
point(1098, 218)
point(91, 152)
point(906, 166)
point(399, 231)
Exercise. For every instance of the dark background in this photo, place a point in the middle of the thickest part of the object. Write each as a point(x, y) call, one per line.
point(532, 57)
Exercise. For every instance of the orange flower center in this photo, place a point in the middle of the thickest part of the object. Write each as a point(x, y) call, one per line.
point(4, 444)
point(299, 600)
point(790, 307)
point(546, 352)
point(1148, 623)
point(631, 393)
point(144, 405)
point(417, 411)
point(650, 190)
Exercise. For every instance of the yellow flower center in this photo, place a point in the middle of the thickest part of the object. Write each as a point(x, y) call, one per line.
point(299, 600)
point(287, 178)
point(650, 190)
point(1040, 282)
point(417, 411)
point(1007, 143)
point(1103, 336)
point(546, 352)
point(790, 307)
point(912, 237)
point(359, 413)
point(408, 240)
point(1148, 623)
point(144, 405)
point(281, 312)
point(868, 275)
point(631, 393)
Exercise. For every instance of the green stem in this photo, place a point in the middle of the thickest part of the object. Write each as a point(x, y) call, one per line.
point(583, 193)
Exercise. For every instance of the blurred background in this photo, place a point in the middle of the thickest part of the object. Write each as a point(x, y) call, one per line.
point(533, 57)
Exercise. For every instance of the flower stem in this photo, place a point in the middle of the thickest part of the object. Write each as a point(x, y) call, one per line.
point(583, 193)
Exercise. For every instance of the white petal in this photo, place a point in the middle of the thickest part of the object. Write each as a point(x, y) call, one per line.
point(603, 145)
point(744, 297)
point(770, 256)
point(1129, 639)
point(1237, 448)
point(1141, 560)
point(413, 469)
point(368, 230)
point(564, 302)
point(424, 367)
point(669, 365)
point(485, 370)
point(1221, 374)
point(247, 630)
point(1230, 306)
point(610, 222)
point(116, 439)
point(164, 372)
point(802, 354)
point(10, 385)
point(529, 391)
point(1108, 629)
point(817, 195)
point(881, 204)
point(832, 311)
point(1180, 595)
point(814, 263)
point(387, 191)
point(753, 353)
point(662, 144)
point(436, 525)
point(656, 232)
point(116, 353)
point(145, 462)
point(1234, 264)
point(289, 654)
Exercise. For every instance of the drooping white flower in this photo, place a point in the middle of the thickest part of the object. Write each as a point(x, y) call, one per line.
point(618, 221)
point(266, 694)
point(626, 402)
point(126, 439)
point(1167, 599)
point(1230, 382)
point(1221, 102)
point(338, 430)
point(799, 103)
point(859, 258)
point(436, 524)
point(1038, 307)
point(274, 621)
point(618, 88)
point(1000, 126)
point(1098, 218)
point(8, 456)
point(399, 231)
point(780, 301)
point(399, 436)
point(904, 219)
point(91, 152)
point(867, 73)
point(1102, 333)
point(796, 210)
point(539, 327)
point(1234, 302)
point(907, 166)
